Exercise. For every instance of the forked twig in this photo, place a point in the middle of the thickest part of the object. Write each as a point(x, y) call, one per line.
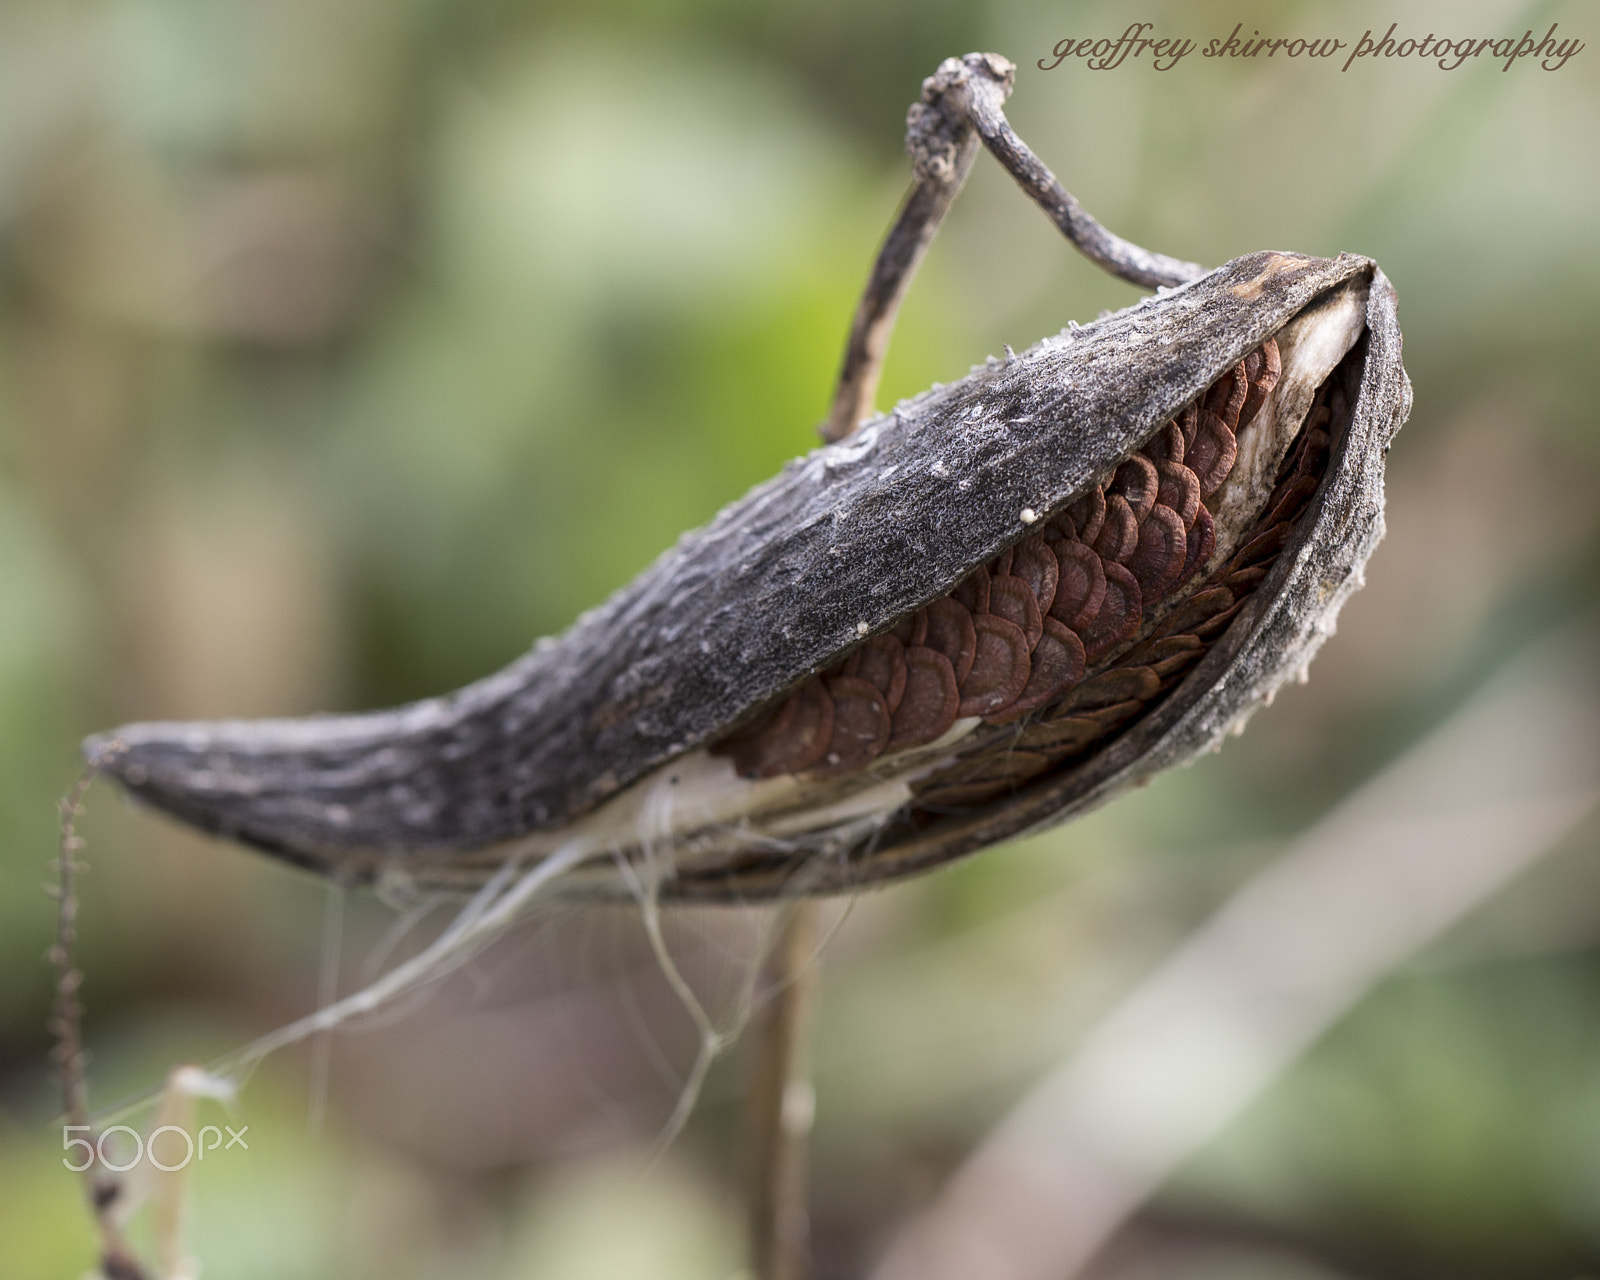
point(960, 105)
point(978, 96)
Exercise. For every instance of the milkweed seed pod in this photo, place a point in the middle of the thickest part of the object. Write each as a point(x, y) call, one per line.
point(983, 613)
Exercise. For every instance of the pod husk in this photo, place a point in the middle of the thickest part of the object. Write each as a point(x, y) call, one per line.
point(783, 582)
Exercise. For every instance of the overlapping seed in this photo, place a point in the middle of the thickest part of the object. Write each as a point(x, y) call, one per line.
point(1040, 636)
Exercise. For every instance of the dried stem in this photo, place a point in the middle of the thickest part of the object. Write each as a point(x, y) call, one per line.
point(942, 149)
point(978, 97)
point(961, 103)
point(117, 1259)
point(782, 1102)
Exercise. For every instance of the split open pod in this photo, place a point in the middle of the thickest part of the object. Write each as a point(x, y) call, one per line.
point(983, 613)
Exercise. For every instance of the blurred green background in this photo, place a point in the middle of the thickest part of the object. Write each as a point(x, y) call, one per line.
point(347, 346)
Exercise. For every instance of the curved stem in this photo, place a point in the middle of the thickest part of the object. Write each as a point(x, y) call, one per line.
point(961, 105)
point(978, 98)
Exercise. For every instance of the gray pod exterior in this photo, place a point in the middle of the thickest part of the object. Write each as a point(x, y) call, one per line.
point(781, 583)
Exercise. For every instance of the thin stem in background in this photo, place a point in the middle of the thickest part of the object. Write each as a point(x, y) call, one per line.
point(782, 1100)
point(117, 1258)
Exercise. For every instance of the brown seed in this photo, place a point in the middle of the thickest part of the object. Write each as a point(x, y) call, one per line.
point(1080, 586)
point(928, 707)
point(1111, 687)
point(973, 591)
point(1009, 598)
point(1057, 663)
point(1188, 421)
point(1213, 627)
point(773, 718)
point(1293, 501)
point(1117, 714)
point(1202, 542)
point(1061, 737)
point(860, 727)
point(950, 632)
point(979, 776)
point(961, 794)
point(1138, 481)
point(1119, 535)
point(1158, 560)
point(1179, 490)
point(1243, 580)
point(1269, 366)
point(1264, 545)
point(1166, 446)
point(1036, 565)
point(1087, 514)
point(1226, 397)
point(1119, 614)
point(881, 662)
point(1001, 775)
point(1001, 564)
point(795, 746)
point(1174, 654)
point(1212, 454)
point(911, 629)
point(1196, 610)
point(1313, 454)
point(999, 669)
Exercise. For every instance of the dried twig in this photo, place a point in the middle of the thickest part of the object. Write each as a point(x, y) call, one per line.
point(961, 103)
point(117, 1259)
point(942, 146)
point(978, 97)
point(782, 1102)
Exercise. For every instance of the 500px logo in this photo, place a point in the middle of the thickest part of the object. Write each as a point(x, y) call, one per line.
point(194, 1147)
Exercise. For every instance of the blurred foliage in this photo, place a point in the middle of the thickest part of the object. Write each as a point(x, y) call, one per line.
point(346, 347)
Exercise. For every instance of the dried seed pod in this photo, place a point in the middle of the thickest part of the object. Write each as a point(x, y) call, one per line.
point(868, 537)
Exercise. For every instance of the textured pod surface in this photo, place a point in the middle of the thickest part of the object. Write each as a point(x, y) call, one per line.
point(863, 538)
